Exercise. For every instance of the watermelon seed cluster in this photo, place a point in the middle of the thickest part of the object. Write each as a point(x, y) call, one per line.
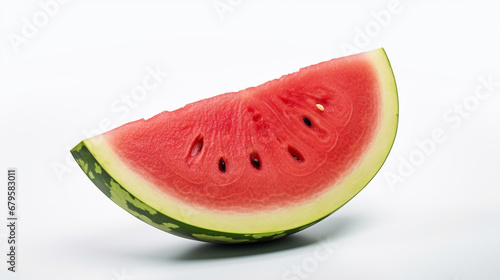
point(254, 157)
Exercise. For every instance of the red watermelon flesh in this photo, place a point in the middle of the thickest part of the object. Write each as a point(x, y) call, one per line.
point(285, 144)
point(181, 151)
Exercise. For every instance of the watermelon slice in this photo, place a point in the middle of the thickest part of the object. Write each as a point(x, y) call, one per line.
point(257, 164)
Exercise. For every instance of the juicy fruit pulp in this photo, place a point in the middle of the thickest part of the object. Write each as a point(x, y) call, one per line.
point(257, 164)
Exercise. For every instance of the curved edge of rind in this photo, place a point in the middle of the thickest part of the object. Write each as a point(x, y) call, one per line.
point(392, 83)
point(114, 191)
point(389, 84)
point(389, 80)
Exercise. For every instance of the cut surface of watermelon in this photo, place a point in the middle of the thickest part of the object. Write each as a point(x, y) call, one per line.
point(257, 164)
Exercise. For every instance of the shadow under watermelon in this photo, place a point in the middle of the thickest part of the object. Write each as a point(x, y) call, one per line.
point(326, 233)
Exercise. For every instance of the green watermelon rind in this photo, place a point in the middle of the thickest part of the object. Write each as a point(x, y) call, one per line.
point(114, 191)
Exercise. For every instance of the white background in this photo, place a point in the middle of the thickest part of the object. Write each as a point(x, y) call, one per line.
point(432, 212)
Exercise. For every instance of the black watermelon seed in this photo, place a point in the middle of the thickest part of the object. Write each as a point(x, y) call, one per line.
point(254, 159)
point(307, 121)
point(256, 163)
point(222, 165)
point(295, 154)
